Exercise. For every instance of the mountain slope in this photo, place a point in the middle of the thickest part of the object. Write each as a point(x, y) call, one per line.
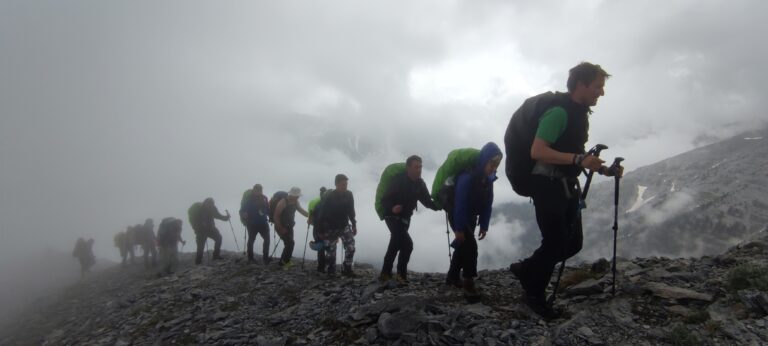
point(658, 301)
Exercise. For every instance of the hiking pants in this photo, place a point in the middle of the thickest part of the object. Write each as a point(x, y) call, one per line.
point(169, 259)
point(124, 253)
point(288, 245)
point(559, 220)
point(149, 250)
point(399, 241)
point(465, 255)
point(201, 237)
point(320, 254)
point(348, 241)
point(263, 230)
point(131, 254)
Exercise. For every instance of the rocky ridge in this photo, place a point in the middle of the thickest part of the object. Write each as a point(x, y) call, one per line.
point(719, 300)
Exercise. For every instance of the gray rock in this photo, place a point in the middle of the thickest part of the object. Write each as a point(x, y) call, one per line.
point(392, 326)
point(479, 309)
point(670, 292)
point(754, 300)
point(266, 341)
point(586, 287)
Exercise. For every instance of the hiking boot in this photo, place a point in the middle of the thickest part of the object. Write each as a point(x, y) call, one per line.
point(469, 288)
point(349, 273)
point(540, 306)
point(454, 281)
point(517, 270)
point(321, 270)
point(384, 277)
point(401, 279)
point(332, 274)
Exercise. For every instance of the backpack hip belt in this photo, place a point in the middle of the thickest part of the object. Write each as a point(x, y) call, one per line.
point(401, 219)
point(572, 187)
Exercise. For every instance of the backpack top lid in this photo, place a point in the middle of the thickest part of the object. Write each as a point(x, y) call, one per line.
point(458, 161)
point(384, 181)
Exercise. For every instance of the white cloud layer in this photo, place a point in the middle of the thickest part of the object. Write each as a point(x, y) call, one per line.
point(117, 111)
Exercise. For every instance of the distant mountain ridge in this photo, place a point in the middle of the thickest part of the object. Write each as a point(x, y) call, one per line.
point(697, 203)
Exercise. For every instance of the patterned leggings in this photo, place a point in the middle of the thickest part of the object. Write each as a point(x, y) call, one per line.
point(348, 240)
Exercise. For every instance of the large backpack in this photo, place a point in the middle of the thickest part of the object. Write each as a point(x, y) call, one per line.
point(458, 161)
point(194, 215)
point(519, 137)
point(384, 182)
point(246, 195)
point(165, 233)
point(276, 198)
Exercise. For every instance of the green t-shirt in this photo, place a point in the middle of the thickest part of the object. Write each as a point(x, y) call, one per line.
point(552, 124)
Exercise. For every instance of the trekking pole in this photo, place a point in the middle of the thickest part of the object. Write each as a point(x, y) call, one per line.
point(582, 205)
point(304, 257)
point(596, 152)
point(614, 166)
point(552, 297)
point(276, 244)
point(229, 219)
point(207, 251)
point(448, 237)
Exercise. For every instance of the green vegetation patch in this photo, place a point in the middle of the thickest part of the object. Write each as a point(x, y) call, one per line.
point(748, 276)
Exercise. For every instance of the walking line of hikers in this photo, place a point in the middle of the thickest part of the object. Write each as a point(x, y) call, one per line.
point(545, 153)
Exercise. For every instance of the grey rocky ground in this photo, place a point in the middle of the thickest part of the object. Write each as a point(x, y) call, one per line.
point(658, 301)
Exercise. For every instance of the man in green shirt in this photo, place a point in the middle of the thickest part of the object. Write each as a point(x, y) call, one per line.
point(558, 152)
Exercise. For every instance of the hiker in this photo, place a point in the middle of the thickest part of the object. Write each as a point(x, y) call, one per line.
point(168, 237)
point(550, 131)
point(84, 253)
point(201, 218)
point(122, 242)
point(316, 230)
point(398, 204)
point(130, 240)
point(472, 203)
point(145, 236)
point(284, 217)
point(336, 217)
point(254, 211)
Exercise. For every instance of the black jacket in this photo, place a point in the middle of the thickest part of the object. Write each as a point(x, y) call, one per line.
point(404, 191)
point(337, 209)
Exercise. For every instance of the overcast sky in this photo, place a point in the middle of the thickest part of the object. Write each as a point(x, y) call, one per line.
point(113, 112)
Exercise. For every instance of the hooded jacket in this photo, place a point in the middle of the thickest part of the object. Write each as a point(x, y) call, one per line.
point(474, 193)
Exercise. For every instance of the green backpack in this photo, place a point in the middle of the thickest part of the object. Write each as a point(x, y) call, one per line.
point(386, 177)
point(458, 160)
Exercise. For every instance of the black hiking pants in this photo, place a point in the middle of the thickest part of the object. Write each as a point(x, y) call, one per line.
point(149, 250)
point(316, 234)
point(399, 242)
point(253, 231)
point(559, 220)
point(288, 245)
point(465, 254)
point(201, 237)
